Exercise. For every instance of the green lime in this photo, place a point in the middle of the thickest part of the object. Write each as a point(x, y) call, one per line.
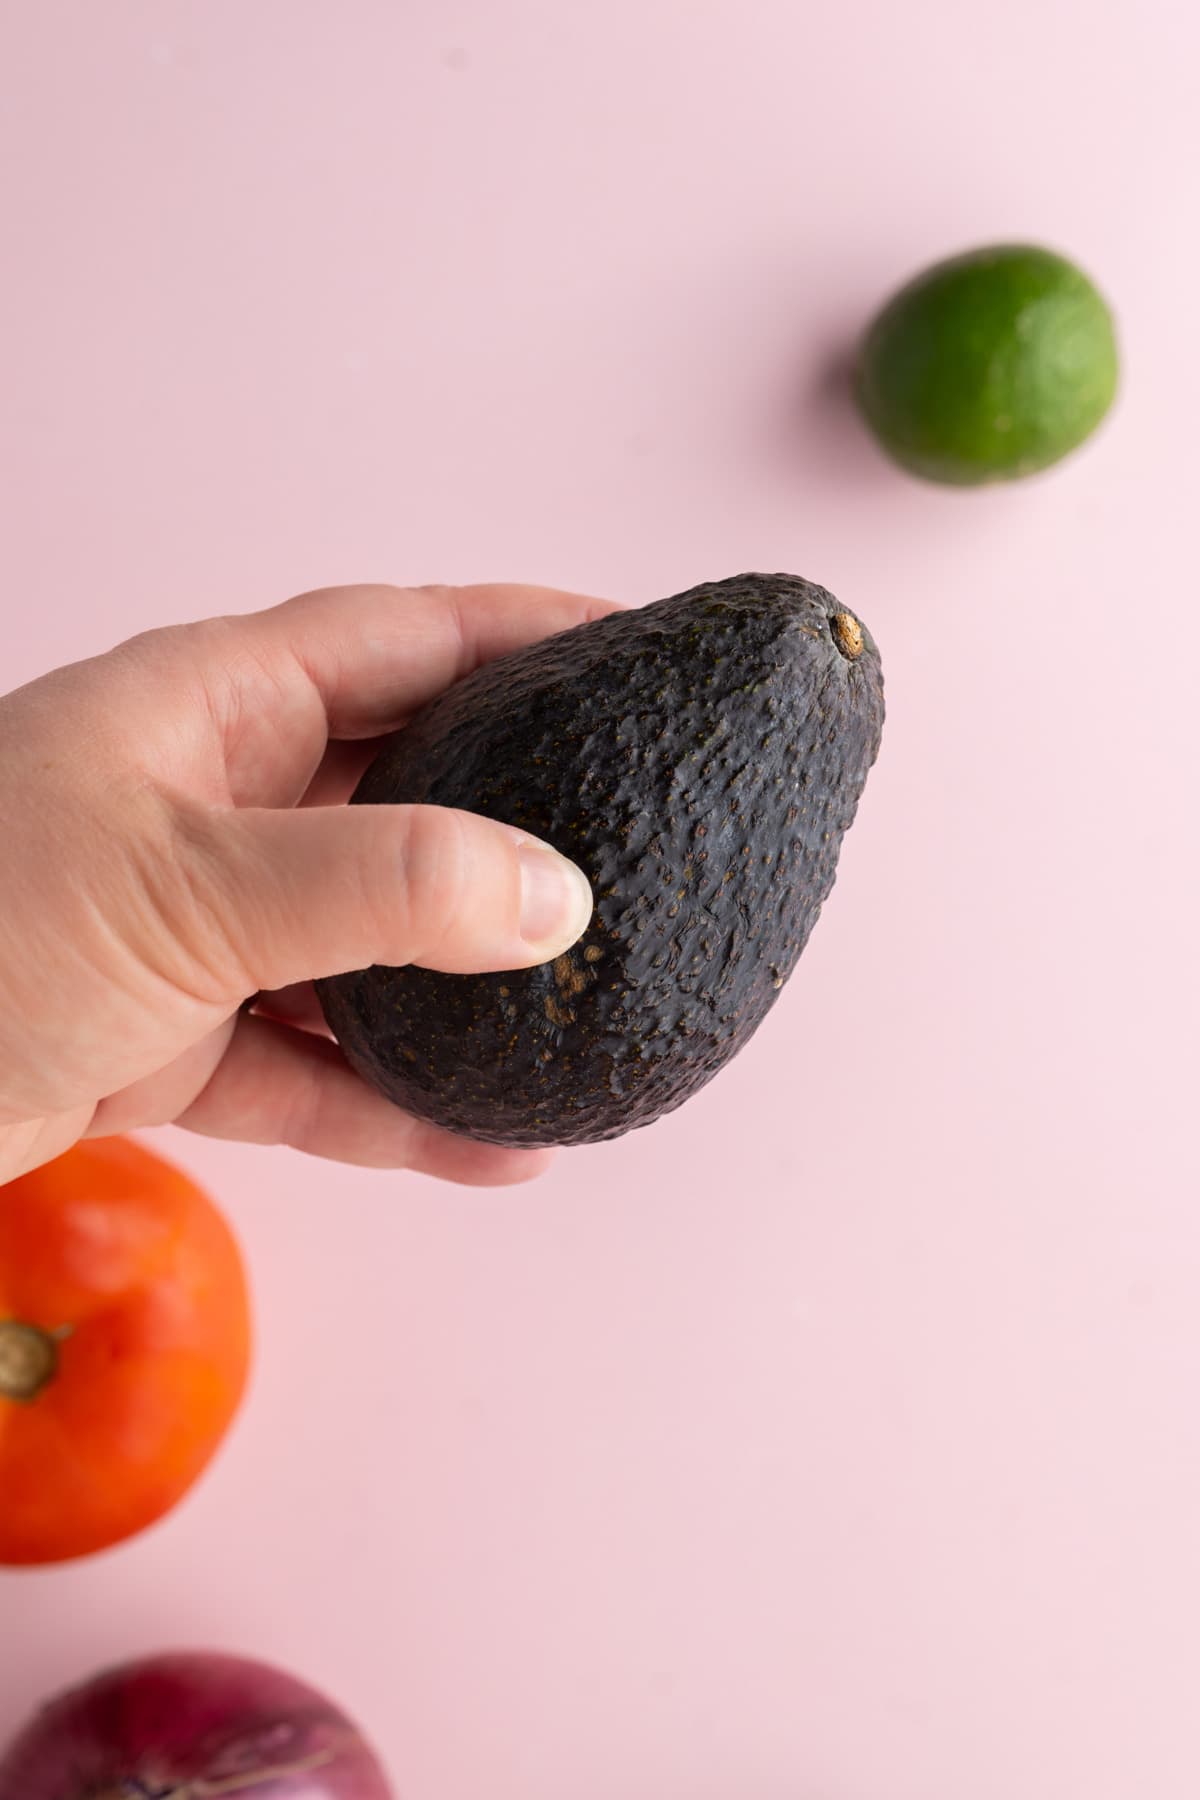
point(989, 366)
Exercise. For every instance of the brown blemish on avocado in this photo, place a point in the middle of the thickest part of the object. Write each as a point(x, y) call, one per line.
point(570, 979)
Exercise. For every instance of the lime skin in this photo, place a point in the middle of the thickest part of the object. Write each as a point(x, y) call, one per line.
point(989, 366)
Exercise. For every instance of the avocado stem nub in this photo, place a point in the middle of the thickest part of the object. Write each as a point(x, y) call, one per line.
point(847, 635)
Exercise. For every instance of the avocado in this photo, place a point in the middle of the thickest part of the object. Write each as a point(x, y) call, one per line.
point(700, 759)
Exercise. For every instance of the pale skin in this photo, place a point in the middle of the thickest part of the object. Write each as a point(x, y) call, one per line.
point(176, 843)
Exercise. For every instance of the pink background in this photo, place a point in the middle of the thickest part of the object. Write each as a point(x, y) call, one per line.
point(837, 1439)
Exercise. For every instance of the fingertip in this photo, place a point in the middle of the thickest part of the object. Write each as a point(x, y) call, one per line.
point(481, 896)
point(556, 899)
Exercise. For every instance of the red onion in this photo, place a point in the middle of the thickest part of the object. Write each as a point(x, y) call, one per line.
point(191, 1727)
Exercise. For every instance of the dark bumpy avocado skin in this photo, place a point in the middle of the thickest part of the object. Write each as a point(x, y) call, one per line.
point(700, 759)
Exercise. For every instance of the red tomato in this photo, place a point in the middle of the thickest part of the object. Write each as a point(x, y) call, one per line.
point(124, 1347)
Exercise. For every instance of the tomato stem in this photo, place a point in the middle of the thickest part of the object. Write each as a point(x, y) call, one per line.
point(28, 1360)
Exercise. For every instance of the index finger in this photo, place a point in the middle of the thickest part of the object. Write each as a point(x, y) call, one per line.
point(375, 654)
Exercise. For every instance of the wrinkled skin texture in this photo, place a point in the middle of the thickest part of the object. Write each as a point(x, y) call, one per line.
point(700, 759)
point(191, 1727)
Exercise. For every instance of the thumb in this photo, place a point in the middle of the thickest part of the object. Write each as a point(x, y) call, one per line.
point(319, 890)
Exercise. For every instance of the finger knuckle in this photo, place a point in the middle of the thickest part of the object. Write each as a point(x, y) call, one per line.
point(433, 868)
point(175, 908)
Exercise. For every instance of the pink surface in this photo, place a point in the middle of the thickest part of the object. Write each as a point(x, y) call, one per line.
point(836, 1439)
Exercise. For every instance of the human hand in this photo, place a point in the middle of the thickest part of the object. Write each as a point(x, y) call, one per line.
point(174, 843)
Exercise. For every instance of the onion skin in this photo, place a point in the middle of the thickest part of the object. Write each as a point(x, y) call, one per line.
point(191, 1726)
